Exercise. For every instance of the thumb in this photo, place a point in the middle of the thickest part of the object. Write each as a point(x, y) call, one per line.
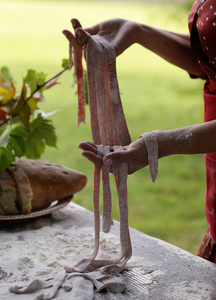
point(93, 30)
point(116, 158)
point(82, 36)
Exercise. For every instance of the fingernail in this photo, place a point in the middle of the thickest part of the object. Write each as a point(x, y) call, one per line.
point(107, 161)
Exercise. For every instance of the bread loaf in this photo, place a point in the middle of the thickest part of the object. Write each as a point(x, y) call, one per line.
point(8, 195)
point(30, 184)
point(50, 181)
point(24, 190)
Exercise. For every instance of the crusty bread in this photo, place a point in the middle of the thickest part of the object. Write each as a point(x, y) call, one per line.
point(50, 181)
point(8, 195)
point(23, 187)
point(30, 184)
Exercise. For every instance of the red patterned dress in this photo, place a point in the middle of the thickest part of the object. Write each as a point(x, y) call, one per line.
point(202, 25)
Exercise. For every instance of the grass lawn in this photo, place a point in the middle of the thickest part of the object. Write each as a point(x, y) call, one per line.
point(155, 95)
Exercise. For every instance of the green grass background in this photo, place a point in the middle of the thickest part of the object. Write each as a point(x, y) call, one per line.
point(155, 95)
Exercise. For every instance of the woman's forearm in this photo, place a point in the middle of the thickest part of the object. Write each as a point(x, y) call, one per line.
point(173, 47)
point(195, 139)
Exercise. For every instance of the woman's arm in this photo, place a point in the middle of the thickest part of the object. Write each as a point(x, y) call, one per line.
point(195, 139)
point(173, 47)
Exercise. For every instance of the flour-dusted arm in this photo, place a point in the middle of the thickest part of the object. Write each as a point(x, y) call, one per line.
point(194, 139)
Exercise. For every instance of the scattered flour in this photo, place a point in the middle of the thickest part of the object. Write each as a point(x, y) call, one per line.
point(45, 252)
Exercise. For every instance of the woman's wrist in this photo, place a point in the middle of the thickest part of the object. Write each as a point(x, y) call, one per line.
point(137, 32)
point(176, 141)
point(161, 143)
point(134, 32)
point(163, 140)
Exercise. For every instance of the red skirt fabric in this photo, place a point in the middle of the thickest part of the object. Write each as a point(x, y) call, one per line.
point(208, 246)
point(202, 21)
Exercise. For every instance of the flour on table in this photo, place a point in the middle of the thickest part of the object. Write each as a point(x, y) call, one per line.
point(43, 252)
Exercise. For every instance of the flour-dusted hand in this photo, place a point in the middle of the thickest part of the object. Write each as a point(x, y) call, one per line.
point(90, 152)
point(135, 155)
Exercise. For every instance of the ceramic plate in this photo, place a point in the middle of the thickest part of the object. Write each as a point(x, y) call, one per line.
point(54, 206)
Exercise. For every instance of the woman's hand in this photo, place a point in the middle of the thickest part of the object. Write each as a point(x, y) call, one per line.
point(119, 32)
point(135, 155)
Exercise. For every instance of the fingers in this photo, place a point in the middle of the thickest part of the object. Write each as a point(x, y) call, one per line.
point(90, 152)
point(117, 157)
point(71, 38)
point(80, 39)
point(95, 159)
point(68, 34)
point(135, 153)
point(76, 24)
point(124, 157)
point(88, 146)
point(82, 36)
point(91, 30)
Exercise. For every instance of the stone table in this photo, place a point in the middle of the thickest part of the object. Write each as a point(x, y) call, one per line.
point(157, 270)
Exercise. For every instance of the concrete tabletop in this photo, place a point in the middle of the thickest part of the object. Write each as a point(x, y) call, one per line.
point(157, 270)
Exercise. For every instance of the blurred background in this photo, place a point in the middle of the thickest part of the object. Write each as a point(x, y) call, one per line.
point(155, 95)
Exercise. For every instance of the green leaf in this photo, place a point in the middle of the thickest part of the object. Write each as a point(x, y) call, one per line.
point(35, 79)
point(18, 131)
point(4, 138)
point(45, 130)
point(6, 95)
point(16, 146)
point(31, 79)
point(6, 158)
point(35, 145)
point(32, 103)
point(41, 78)
point(6, 75)
point(17, 141)
point(65, 63)
point(23, 110)
point(41, 133)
